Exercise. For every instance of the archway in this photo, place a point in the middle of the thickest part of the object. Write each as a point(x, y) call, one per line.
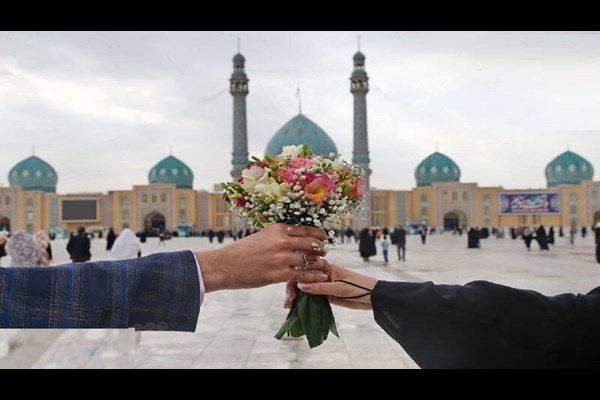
point(155, 221)
point(454, 219)
point(4, 223)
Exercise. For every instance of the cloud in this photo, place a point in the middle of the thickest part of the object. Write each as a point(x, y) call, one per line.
point(104, 107)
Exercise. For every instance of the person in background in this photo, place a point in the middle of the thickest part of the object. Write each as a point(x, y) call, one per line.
point(126, 246)
point(2, 249)
point(44, 242)
point(110, 239)
point(424, 234)
point(551, 235)
point(597, 233)
point(23, 250)
point(400, 239)
point(161, 238)
point(385, 245)
point(79, 246)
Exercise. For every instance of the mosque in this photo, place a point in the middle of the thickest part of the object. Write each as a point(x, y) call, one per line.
point(168, 200)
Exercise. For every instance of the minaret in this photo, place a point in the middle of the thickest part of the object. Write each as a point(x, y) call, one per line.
point(239, 90)
point(359, 87)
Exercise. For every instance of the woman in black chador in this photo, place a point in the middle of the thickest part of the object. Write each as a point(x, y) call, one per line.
point(542, 238)
point(551, 235)
point(110, 239)
point(367, 245)
point(473, 238)
point(478, 325)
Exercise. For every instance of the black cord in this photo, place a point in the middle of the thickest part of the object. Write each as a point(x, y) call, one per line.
point(369, 291)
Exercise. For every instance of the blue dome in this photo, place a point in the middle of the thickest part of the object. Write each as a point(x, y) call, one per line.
point(172, 170)
point(301, 130)
point(568, 169)
point(33, 173)
point(239, 59)
point(359, 58)
point(437, 168)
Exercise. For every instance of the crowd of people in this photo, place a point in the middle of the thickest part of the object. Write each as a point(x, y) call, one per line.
point(367, 238)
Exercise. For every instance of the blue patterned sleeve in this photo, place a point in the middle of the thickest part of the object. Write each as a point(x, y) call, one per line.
point(156, 292)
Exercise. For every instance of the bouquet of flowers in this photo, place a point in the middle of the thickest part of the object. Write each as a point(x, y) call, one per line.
point(298, 188)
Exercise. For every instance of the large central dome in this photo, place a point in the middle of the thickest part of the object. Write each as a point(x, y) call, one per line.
point(33, 173)
point(437, 168)
point(301, 130)
point(172, 170)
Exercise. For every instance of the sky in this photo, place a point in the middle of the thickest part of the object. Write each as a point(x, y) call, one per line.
point(103, 107)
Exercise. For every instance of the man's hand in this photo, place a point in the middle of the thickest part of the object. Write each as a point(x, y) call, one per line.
point(266, 257)
point(337, 290)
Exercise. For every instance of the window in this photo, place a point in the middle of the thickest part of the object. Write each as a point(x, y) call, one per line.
point(144, 198)
point(454, 196)
point(535, 219)
point(486, 200)
point(7, 200)
point(424, 199)
point(29, 203)
point(465, 196)
point(163, 197)
point(423, 212)
point(486, 210)
point(595, 195)
point(182, 208)
point(154, 197)
point(522, 219)
point(445, 196)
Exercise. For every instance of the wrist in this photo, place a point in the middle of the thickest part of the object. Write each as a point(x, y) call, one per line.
point(214, 274)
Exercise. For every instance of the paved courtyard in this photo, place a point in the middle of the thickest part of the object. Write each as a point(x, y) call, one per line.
point(236, 328)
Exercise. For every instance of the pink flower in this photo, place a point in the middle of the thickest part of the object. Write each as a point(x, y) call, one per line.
point(287, 175)
point(300, 162)
point(333, 176)
point(358, 188)
point(318, 189)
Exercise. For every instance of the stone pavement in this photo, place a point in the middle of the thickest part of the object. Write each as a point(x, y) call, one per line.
point(236, 328)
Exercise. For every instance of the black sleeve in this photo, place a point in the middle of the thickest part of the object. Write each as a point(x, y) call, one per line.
point(49, 252)
point(485, 325)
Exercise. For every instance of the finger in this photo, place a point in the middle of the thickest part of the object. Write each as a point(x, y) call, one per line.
point(307, 245)
point(310, 231)
point(337, 289)
point(291, 291)
point(307, 276)
point(299, 260)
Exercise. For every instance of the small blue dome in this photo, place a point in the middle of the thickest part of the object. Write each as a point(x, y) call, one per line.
point(301, 130)
point(359, 58)
point(172, 170)
point(239, 59)
point(568, 169)
point(33, 173)
point(437, 168)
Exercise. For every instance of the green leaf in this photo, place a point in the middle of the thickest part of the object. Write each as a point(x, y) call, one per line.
point(315, 318)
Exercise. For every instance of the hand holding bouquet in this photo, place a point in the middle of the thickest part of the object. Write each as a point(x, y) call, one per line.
point(298, 188)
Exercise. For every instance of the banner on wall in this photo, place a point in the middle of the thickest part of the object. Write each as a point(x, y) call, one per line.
point(529, 203)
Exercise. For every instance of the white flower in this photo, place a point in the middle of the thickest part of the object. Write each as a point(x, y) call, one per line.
point(290, 151)
point(272, 190)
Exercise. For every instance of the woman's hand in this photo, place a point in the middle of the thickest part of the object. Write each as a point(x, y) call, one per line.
point(338, 292)
point(266, 257)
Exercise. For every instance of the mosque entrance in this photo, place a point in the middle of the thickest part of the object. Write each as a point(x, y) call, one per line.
point(155, 221)
point(4, 224)
point(454, 220)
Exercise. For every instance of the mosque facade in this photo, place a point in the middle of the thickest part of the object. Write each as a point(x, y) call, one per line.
point(169, 202)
